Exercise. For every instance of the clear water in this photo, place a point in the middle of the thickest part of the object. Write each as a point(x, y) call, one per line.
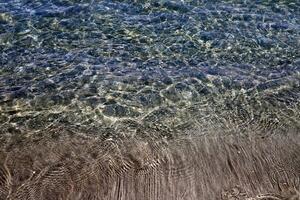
point(104, 68)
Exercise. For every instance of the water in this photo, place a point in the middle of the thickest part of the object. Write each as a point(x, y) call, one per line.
point(145, 68)
point(169, 64)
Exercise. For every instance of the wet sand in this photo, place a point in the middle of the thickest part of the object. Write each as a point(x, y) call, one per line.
point(204, 167)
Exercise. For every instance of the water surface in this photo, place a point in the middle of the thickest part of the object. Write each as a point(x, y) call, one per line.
point(160, 65)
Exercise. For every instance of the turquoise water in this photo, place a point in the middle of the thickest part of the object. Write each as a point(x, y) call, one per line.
point(102, 68)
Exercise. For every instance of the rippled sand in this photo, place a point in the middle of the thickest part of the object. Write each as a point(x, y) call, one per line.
point(212, 167)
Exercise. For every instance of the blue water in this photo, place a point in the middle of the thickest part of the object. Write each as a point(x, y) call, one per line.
point(159, 67)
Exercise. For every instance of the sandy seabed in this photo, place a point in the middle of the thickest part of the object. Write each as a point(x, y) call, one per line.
point(188, 167)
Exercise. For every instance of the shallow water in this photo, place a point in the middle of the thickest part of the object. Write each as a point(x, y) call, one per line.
point(160, 65)
point(116, 93)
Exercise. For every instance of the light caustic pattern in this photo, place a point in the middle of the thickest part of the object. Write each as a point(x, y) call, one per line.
point(154, 79)
point(162, 65)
